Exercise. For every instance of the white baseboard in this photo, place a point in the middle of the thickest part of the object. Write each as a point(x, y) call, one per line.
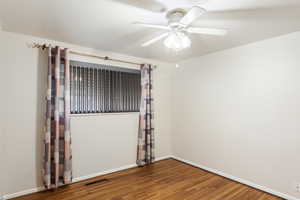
point(22, 193)
point(246, 182)
point(240, 180)
point(163, 158)
point(81, 178)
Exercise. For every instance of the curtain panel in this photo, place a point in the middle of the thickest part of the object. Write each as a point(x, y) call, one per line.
point(57, 169)
point(145, 150)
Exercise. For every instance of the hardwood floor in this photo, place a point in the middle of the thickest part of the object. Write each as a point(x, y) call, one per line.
point(165, 180)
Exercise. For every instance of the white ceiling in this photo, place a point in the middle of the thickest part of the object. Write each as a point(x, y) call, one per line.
point(107, 24)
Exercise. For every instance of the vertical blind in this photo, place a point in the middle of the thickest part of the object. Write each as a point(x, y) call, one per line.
point(99, 88)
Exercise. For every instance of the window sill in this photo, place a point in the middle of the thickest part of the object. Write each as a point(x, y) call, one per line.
point(103, 114)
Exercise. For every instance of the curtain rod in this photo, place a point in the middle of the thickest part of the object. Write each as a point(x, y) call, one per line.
point(44, 46)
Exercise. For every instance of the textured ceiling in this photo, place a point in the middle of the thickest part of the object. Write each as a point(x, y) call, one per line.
point(107, 24)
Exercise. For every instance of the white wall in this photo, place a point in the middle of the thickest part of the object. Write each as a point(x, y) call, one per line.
point(238, 111)
point(100, 142)
point(2, 116)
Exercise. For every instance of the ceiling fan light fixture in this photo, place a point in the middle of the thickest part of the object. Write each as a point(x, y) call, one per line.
point(177, 41)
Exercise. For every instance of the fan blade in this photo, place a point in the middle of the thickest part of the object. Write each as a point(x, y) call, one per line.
point(151, 5)
point(155, 39)
point(153, 26)
point(207, 31)
point(192, 15)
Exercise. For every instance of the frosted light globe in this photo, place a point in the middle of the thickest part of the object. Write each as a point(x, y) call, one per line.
point(177, 41)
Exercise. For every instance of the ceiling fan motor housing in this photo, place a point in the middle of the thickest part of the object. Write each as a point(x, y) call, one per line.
point(174, 17)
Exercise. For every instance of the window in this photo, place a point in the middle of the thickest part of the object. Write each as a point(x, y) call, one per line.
point(99, 88)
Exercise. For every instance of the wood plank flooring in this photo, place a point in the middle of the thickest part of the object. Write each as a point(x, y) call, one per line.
point(164, 180)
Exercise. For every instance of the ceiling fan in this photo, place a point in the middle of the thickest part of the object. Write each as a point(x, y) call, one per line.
point(178, 28)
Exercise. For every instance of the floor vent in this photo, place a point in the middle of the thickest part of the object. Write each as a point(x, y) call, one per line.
point(97, 182)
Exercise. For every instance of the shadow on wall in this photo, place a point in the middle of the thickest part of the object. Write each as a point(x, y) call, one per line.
point(40, 114)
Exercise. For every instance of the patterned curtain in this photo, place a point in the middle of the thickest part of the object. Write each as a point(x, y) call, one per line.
point(58, 157)
point(145, 150)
